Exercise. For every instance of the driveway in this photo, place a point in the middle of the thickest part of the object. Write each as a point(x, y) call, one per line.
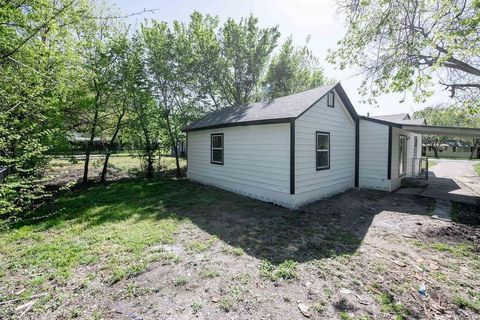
point(453, 180)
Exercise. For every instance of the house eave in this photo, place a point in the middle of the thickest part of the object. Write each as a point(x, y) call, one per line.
point(243, 123)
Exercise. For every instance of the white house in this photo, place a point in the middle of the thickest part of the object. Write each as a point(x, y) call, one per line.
point(301, 148)
point(452, 149)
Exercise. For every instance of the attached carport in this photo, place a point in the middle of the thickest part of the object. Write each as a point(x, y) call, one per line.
point(443, 131)
point(451, 187)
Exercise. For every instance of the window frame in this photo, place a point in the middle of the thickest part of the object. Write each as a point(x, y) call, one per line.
point(332, 94)
point(324, 133)
point(212, 148)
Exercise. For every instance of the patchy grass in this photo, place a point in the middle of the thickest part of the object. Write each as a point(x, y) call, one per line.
point(389, 305)
point(471, 301)
point(210, 274)
point(180, 281)
point(235, 251)
point(137, 244)
point(459, 250)
point(476, 167)
point(196, 307)
point(108, 227)
point(286, 270)
point(201, 246)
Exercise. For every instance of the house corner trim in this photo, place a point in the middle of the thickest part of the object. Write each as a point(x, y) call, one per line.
point(292, 156)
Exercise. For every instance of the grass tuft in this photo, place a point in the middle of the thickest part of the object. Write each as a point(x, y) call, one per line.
point(472, 301)
point(286, 270)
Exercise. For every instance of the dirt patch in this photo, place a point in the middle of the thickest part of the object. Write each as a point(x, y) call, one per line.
point(358, 255)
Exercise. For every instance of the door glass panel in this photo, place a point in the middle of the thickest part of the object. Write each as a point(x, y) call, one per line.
point(402, 161)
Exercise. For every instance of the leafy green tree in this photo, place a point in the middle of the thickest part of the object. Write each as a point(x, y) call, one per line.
point(143, 129)
point(121, 96)
point(101, 52)
point(405, 45)
point(204, 50)
point(293, 70)
point(37, 68)
point(245, 50)
point(449, 116)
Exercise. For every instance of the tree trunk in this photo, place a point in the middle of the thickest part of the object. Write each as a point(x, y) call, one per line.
point(149, 152)
point(103, 177)
point(150, 165)
point(435, 152)
point(473, 148)
point(174, 145)
point(90, 142)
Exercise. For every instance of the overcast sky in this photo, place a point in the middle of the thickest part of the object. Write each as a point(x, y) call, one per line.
point(299, 18)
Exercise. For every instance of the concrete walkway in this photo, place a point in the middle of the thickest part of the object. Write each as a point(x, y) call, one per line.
point(451, 180)
point(454, 180)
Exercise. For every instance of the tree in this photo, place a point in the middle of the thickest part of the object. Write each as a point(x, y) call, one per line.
point(441, 116)
point(119, 104)
point(293, 70)
point(102, 52)
point(37, 71)
point(245, 51)
point(143, 129)
point(405, 45)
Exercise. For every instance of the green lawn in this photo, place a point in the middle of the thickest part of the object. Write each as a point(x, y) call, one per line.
point(170, 247)
point(110, 227)
point(477, 168)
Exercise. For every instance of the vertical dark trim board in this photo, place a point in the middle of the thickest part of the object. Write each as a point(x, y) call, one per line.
point(357, 151)
point(389, 166)
point(292, 156)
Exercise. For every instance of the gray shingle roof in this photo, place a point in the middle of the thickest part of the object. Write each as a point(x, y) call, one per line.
point(413, 121)
point(280, 109)
point(401, 118)
point(393, 117)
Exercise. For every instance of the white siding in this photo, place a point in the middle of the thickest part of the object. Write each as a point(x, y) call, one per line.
point(413, 167)
point(256, 161)
point(373, 161)
point(310, 184)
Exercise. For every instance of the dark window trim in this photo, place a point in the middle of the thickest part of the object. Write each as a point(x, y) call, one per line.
point(332, 93)
point(316, 151)
point(211, 149)
point(406, 156)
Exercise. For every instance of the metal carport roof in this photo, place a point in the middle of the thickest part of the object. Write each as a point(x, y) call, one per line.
point(443, 131)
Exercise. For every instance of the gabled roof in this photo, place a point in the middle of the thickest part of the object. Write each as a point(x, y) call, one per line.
point(419, 121)
point(278, 110)
point(401, 118)
point(393, 117)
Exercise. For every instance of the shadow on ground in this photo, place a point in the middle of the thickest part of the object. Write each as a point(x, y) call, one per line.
point(331, 227)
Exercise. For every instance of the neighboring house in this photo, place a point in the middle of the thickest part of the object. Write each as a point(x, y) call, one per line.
point(452, 149)
point(301, 148)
